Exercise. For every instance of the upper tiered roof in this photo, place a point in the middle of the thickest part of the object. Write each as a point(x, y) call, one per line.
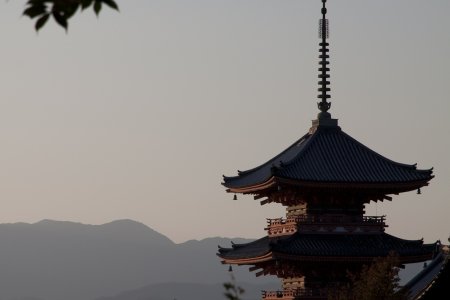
point(328, 157)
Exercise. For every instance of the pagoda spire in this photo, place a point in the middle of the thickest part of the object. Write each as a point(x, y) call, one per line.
point(324, 82)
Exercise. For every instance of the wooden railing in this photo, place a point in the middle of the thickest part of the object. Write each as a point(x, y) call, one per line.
point(298, 294)
point(281, 226)
point(290, 225)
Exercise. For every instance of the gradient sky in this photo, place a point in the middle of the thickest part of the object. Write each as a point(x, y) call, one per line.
point(139, 113)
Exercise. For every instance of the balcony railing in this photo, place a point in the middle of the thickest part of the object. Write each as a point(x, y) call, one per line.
point(290, 225)
point(298, 294)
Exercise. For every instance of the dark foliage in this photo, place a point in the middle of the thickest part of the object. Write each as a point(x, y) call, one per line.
point(62, 10)
point(232, 290)
point(380, 280)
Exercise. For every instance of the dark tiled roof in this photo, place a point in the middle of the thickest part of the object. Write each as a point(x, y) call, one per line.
point(329, 245)
point(424, 278)
point(432, 281)
point(253, 249)
point(329, 155)
point(351, 245)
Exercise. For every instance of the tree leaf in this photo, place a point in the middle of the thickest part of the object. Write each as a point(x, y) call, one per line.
point(112, 4)
point(69, 11)
point(41, 21)
point(85, 4)
point(97, 6)
point(60, 19)
point(35, 10)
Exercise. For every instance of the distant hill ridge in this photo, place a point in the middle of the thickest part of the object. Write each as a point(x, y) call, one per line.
point(189, 291)
point(125, 228)
point(53, 260)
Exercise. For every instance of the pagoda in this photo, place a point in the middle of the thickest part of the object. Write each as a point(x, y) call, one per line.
point(324, 180)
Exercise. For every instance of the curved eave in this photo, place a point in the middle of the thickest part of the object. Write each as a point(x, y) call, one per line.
point(247, 261)
point(273, 256)
point(271, 182)
point(344, 259)
point(266, 170)
point(381, 186)
point(388, 187)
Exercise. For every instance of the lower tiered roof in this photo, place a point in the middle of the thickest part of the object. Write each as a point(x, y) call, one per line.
point(327, 247)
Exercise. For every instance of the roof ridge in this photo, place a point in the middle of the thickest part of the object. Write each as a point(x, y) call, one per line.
point(304, 150)
point(410, 166)
point(272, 160)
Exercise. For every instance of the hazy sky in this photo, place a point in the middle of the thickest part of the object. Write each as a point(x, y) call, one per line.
point(138, 114)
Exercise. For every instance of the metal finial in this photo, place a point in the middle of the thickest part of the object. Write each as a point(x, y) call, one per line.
point(324, 82)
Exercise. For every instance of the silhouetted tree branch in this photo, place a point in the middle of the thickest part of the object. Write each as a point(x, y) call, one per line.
point(232, 290)
point(62, 10)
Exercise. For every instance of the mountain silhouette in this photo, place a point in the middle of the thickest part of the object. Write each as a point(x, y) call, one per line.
point(189, 291)
point(54, 260)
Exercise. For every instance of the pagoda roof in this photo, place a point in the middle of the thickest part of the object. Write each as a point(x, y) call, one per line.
point(439, 286)
point(432, 281)
point(328, 157)
point(323, 247)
